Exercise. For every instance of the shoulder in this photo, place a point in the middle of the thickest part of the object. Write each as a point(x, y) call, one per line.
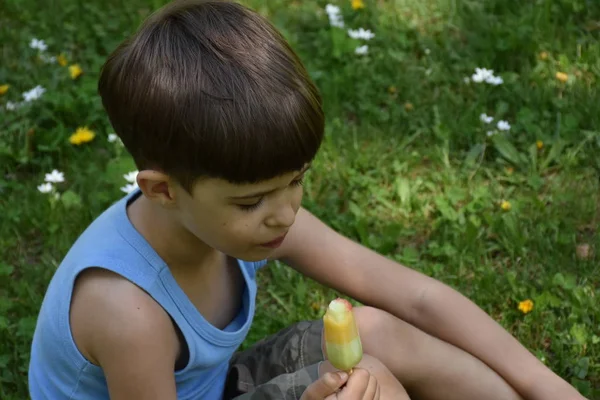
point(110, 314)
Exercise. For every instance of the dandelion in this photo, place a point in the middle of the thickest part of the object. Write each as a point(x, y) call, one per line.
point(75, 71)
point(539, 144)
point(130, 187)
point(357, 4)
point(55, 176)
point(543, 55)
point(561, 76)
point(361, 33)
point(131, 176)
point(408, 106)
point(505, 205)
point(392, 90)
point(38, 44)
point(335, 16)
point(526, 306)
point(486, 118)
point(4, 89)
point(362, 50)
point(46, 187)
point(82, 135)
point(62, 60)
point(503, 126)
point(34, 93)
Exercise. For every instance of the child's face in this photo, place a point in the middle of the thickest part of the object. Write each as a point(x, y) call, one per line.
point(243, 221)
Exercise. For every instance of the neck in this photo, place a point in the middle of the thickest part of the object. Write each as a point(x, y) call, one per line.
point(177, 246)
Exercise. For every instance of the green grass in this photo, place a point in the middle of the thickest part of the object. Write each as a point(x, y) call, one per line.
point(407, 167)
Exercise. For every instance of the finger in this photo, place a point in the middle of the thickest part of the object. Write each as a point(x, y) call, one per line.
point(371, 388)
point(357, 385)
point(378, 393)
point(325, 386)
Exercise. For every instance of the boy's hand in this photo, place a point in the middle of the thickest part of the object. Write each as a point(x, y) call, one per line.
point(361, 385)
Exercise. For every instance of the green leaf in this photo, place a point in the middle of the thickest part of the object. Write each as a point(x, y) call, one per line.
point(445, 208)
point(579, 333)
point(403, 190)
point(507, 150)
point(71, 199)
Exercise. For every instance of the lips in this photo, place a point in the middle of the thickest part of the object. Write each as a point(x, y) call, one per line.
point(274, 243)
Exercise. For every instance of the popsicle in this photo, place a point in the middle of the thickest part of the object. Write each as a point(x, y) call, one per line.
point(342, 341)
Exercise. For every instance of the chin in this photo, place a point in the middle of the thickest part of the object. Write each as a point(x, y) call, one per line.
point(253, 256)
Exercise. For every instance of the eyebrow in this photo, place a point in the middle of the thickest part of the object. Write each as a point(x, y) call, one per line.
point(265, 192)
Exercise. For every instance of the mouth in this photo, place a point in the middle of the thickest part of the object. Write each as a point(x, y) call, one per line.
point(274, 243)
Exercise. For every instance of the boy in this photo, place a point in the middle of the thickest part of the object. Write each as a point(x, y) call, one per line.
point(156, 295)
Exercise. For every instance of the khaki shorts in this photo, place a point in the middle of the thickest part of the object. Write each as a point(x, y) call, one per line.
point(279, 367)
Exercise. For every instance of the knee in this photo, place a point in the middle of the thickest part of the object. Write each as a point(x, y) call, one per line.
point(374, 326)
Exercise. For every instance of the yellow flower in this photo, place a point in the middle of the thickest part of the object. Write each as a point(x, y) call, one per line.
point(82, 135)
point(526, 306)
point(505, 205)
point(408, 106)
point(561, 76)
point(3, 89)
point(392, 89)
point(543, 55)
point(75, 71)
point(357, 4)
point(62, 60)
point(539, 144)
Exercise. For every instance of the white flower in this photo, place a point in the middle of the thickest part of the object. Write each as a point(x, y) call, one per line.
point(486, 118)
point(495, 80)
point(427, 51)
point(335, 16)
point(112, 137)
point(12, 106)
point(482, 74)
point(130, 187)
point(361, 33)
point(503, 126)
point(362, 50)
point(38, 44)
point(467, 80)
point(55, 177)
point(48, 59)
point(491, 133)
point(34, 93)
point(46, 187)
point(131, 176)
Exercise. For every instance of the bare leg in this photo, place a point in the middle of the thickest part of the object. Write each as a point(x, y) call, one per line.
point(429, 368)
point(390, 387)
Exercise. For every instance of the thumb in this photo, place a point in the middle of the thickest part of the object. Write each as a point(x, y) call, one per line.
point(327, 385)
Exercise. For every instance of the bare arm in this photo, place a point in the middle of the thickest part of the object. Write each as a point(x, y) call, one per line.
point(322, 254)
point(122, 329)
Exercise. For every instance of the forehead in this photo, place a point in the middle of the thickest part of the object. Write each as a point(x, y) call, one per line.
point(221, 187)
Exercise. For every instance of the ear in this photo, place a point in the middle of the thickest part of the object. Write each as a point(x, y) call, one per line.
point(157, 187)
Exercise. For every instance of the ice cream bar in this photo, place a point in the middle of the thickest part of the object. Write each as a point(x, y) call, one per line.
point(342, 341)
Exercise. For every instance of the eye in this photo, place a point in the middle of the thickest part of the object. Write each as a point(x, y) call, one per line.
point(298, 182)
point(250, 207)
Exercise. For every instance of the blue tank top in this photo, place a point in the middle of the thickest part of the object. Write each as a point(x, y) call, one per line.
point(58, 370)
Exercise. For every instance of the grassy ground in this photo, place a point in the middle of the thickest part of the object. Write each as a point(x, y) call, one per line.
point(408, 167)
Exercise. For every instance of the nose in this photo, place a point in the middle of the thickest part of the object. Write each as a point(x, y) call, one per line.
point(283, 216)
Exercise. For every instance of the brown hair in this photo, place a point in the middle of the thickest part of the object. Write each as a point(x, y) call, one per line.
point(211, 89)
